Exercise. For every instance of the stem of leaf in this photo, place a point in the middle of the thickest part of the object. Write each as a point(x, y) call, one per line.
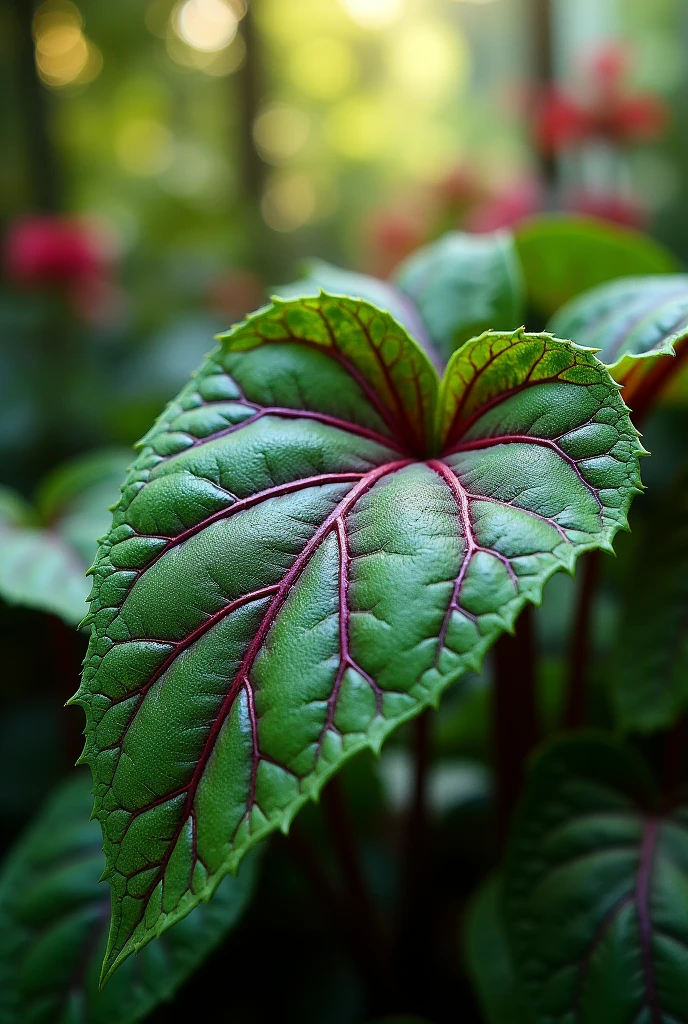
point(579, 652)
point(342, 831)
point(414, 931)
point(331, 902)
point(515, 715)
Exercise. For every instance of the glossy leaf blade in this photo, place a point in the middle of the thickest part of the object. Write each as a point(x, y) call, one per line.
point(631, 321)
point(463, 285)
point(293, 571)
point(563, 256)
point(650, 660)
point(597, 890)
point(53, 926)
point(488, 959)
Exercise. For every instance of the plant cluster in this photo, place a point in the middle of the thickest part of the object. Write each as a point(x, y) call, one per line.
point(342, 525)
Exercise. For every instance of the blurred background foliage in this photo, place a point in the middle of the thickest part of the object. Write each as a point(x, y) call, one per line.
point(164, 164)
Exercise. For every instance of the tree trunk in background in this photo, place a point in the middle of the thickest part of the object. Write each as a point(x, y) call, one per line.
point(544, 77)
point(250, 83)
point(41, 162)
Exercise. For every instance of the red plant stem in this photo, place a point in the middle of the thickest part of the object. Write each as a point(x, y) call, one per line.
point(332, 905)
point(515, 715)
point(580, 649)
point(415, 902)
point(342, 832)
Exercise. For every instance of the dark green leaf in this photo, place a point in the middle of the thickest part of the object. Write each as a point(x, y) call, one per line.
point(464, 285)
point(44, 555)
point(488, 959)
point(596, 890)
point(53, 926)
point(563, 256)
point(631, 321)
point(312, 544)
point(650, 664)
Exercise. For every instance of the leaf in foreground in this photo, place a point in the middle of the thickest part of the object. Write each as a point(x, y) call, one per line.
point(650, 661)
point(563, 256)
point(631, 321)
point(313, 543)
point(597, 890)
point(463, 285)
point(488, 959)
point(53, 926)
point(45, 552)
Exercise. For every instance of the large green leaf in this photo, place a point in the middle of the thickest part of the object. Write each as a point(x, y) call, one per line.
point(563, 256)
point(650, 662)
point(53, 926)
point(464, 285)
point(488, 959)
point(308, 550)
point(596, 890)
point(44, 553)
point(631, 321)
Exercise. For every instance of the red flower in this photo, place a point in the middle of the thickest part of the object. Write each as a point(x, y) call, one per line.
point(50, 251)
point(611, 111)
point(559, 122)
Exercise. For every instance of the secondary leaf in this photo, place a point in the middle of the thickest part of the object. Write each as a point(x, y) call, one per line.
point(464, 285)
point(597, 890)
point(53, 926)
point(563, 256)
point(650, 662)
point(44, 553)
point(632, 321)
point(299, 564)
point(488, 959)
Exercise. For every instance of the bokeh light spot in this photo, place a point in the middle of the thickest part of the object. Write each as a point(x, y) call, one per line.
point(428, 62)
point(280, 132)
point(356, 128)
point(63, 53)
point(144, 147)
point(323, 69)
point(374, 13)
point(289, 201)
point(207, 25)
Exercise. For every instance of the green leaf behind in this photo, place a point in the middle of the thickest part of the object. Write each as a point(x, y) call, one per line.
point(53, 926)
point(563, 256)
point(44, 554)
point(464, 285)
point(488, 960)
point(299, 564)
point(631, 321)
point(596, 890)
point(650, 661)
